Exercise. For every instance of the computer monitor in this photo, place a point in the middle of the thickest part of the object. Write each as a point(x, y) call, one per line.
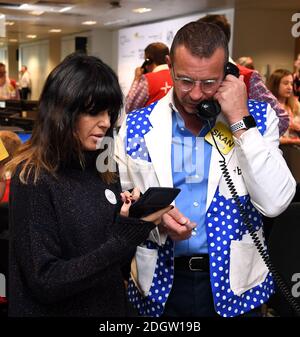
point(2, 104)
point(13, 105)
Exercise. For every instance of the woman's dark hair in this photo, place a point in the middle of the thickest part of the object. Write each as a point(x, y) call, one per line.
point(79, 85)
point(156, 52)
point(273, 82)
point(219, 20)
point(201, 39)
point(273, 85)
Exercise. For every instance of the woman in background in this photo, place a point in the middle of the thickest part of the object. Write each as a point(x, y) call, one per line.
point(281, 85)
point(69, 238)
point(296, 77)
point(11, 142)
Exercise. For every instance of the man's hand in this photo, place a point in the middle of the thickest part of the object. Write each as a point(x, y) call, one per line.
point(232, 96)
point(176, 225)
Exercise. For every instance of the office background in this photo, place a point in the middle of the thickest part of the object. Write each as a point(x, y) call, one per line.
point(261, 29)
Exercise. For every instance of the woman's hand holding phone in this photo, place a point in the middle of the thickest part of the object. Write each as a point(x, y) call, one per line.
point(127, 198)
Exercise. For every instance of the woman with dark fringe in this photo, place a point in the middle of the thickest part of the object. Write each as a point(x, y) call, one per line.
point(69, 230)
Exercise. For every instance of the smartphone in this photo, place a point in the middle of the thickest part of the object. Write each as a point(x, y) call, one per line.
point(154, 199)
point(147, 62)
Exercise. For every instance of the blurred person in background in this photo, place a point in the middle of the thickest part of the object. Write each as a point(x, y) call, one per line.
point(296, 78)
point(7, 86)
point(246, 61)
point(11, 142)
point(152, 80)
point(280, 84)
point(24, 82)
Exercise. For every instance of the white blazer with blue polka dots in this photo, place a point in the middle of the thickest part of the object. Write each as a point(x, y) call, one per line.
point(240, 280)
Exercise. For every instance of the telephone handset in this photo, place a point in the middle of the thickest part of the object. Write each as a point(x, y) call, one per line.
point(147, 62)
point(209, 108)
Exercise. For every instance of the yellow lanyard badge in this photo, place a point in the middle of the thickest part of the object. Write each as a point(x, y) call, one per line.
point(3, 152)
point(223, 137)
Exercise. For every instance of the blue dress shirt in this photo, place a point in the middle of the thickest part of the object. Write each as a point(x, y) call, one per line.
point(190, 166)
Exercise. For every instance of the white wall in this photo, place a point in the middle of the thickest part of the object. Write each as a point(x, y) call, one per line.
point(36, 56)
point(265, 35)
point(132, 42)
point(68, 43)
point(101, 45)
point(3, 57)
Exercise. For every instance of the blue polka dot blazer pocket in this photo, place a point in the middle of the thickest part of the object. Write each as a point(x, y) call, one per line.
point(247, 268)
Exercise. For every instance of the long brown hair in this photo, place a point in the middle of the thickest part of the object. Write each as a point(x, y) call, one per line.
point(79, 85)
point(274, 83)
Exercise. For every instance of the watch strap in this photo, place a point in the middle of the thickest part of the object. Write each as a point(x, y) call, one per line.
point(238, 126)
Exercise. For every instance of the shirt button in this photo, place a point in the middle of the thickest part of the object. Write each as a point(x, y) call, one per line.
point(195, 203)
point(182, 129)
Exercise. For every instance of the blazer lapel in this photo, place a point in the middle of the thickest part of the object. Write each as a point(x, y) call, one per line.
point(159, 141)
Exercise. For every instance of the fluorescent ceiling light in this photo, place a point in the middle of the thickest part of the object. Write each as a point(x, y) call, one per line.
point(142, 10)
point(31, 36)
point(36, 12)
point(9, 23)
point(24, 6)
point(89, 23)
point(65, 9)
point(13, 40)
point(115, 22)
point(54, 30)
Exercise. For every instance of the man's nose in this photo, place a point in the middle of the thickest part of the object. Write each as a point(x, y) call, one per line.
point(196, 93)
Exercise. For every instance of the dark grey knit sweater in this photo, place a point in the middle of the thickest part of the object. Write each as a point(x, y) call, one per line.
point(67, 246)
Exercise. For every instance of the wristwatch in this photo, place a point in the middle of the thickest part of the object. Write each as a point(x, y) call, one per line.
point(246, 123)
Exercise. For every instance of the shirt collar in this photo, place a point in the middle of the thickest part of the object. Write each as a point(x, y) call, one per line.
point(160, 67)
point(180, 122)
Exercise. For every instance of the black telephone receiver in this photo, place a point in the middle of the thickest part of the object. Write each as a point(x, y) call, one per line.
point(209, 108)
point(147, 62)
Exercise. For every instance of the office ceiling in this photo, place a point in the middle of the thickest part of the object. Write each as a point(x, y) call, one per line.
point(38, 17)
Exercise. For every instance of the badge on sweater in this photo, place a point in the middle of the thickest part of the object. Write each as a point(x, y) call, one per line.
point(223, 137)
point(110, 196)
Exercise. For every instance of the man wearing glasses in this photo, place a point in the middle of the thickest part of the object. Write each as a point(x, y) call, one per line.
point(201, 260)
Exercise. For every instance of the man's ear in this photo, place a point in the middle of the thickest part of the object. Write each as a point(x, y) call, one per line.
point(169, 63)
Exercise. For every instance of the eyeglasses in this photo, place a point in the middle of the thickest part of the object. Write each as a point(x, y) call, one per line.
point(187, 84)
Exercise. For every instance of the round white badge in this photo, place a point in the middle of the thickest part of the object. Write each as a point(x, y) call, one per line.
point(110, 196)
